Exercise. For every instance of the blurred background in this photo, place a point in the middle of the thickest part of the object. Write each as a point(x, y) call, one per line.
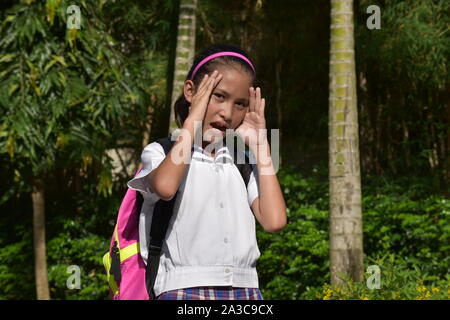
point(77, 106)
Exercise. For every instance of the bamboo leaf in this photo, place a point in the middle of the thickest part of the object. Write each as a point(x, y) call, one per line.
point(60, 60)
point(7, 57)
point(12, 88)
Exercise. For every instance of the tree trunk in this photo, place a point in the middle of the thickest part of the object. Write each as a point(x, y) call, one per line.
point(346, 245)
point(184, 53)
point(40, 257)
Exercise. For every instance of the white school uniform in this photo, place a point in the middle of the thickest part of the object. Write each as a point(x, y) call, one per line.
point(211, 239)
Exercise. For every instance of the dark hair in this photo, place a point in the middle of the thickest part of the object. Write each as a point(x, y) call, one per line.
point(182, 105)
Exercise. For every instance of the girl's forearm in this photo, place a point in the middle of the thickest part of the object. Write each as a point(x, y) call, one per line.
point(272, 206)
point(166, 179)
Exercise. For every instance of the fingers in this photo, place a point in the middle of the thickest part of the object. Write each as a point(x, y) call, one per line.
point(263, 105)
point(208, 83)
point(258, 100)
point(255, 101)
point(215, 78)
point(202, 85)
point(251, 103)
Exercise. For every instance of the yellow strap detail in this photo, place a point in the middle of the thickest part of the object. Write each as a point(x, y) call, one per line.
point(110, 278)
point(125, 253)
point(129, 251)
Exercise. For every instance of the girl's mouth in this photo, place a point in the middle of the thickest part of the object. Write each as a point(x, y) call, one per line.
point(219, 126)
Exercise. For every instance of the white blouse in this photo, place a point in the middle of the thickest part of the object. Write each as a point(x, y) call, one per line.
point(211, 239)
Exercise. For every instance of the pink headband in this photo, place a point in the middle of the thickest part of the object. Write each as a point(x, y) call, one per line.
point(219, 54)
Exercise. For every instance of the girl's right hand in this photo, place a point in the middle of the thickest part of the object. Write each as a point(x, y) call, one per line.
point(200, 99)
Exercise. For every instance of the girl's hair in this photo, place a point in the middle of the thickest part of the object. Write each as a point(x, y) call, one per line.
point(182, 105)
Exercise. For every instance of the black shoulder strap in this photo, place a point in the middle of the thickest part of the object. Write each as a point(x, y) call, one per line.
point(160, 222)
point(244, 168)
point(166, 143)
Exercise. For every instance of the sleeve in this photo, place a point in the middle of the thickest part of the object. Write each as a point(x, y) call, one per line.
point(253, 185)
point(151, 158)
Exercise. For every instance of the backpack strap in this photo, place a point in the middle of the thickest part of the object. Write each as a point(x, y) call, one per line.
point(245, 169)
point(160, 222)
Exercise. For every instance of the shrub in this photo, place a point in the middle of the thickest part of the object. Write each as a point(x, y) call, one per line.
point(405, 225)
point(399, 280)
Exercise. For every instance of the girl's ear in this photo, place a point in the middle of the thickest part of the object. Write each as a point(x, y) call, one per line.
point(189, 90)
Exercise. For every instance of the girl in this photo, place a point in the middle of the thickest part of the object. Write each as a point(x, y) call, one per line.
point(210, 249)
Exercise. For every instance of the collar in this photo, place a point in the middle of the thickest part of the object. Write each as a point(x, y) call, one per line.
point(221, 156)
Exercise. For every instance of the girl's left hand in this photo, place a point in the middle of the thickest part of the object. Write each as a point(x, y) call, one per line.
point(253, 128)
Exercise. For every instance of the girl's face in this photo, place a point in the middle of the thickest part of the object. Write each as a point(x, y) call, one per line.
point(228, 104)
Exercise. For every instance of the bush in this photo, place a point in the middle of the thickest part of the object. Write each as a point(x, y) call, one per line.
point(406, 230)
point(399, 280)
point(418, 230)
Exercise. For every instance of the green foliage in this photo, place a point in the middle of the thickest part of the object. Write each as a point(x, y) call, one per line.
point(85, 254)
point(79, 229)
point(406, 233)
point(82, 240)
point(417, 230)
point(17, 282)
point(70, 89)
point(415, 34)
point(403, 79)
point(399, 280)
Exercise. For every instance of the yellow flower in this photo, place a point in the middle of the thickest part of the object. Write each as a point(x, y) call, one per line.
point(421, 289)
point(327, 294)
point(435, 290)
point(364, 298)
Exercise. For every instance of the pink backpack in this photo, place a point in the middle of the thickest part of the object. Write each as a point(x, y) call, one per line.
point(128, 276)
point(124, 265)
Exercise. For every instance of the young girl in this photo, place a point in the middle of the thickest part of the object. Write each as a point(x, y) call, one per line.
point(210, 250)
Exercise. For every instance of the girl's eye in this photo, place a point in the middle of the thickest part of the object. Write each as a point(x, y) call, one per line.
point(218, 95)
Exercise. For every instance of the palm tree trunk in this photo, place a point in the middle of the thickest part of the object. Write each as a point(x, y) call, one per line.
point(184, 53)
point(40, 258)
point(346, 245)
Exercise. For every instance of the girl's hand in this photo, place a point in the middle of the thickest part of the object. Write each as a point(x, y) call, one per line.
point(253, 128)
point(200, 99)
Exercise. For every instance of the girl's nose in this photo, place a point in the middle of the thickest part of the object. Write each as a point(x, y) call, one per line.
point(227, 111)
